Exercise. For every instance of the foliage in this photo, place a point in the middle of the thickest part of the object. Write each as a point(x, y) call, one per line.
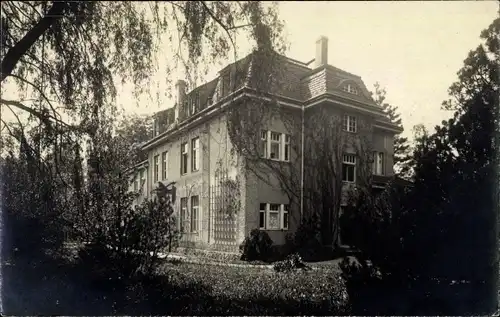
point(402, 150)
point(290, 263)
point(257, 246)
point(442, 229)
point(306, 239)
point(134, 130)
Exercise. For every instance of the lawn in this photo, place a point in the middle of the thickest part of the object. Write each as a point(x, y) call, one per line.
point(57, 287)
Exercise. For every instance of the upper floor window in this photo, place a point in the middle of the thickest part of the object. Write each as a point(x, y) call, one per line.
point(156, 127)
point(184, 158)
point(275, 145)
point(286, 147)
point(350, 89)
point(136, 184)
point(263, 143)
point(349, 123)
point(378, 163)
point(349, 168)
point(156, 165)
point(195, 154)
point(164, 165)
point(143, 179)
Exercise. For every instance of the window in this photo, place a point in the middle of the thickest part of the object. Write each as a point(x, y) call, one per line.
point(183, 215)
point(262, 216)
point(378, 163)
point(195, 149)
point(349, 168)
point(285, 216)
point(273, 216)
point(155, 177)
point(349, 123)
point(194, 213)
point(275, 146)
point(286, 149)
point(263, 143)
point(143, 179)
point(350, 89)
point(164, 165)
point(184, 158)
point(156, 127)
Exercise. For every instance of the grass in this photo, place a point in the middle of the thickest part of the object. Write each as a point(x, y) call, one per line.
point(51, 286)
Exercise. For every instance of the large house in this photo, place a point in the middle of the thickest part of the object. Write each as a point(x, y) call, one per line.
point(191, 146)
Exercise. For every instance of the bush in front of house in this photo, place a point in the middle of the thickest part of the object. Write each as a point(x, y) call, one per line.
point(306, 240)
point(256, 247)
point(290, 263)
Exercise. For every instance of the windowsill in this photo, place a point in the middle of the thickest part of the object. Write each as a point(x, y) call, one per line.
point(348, 183)
point(350, 131)
point(264, 229)
point(274, 160)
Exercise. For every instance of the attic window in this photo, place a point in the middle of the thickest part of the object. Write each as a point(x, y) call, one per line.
point(350, 89)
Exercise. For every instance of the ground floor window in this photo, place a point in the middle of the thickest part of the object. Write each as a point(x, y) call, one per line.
point(273, 216)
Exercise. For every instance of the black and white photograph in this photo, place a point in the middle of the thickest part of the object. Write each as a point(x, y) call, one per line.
point(249, 158)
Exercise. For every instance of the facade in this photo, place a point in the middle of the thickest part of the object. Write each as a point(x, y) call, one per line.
point(191, 146)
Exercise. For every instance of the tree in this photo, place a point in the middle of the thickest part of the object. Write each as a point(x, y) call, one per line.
point(134, 130)
point(401, 146)
point(444, 227)
point(64, 56)
point(325, 144)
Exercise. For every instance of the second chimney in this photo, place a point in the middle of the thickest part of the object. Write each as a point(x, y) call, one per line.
point(321, 51)
point(180, 87)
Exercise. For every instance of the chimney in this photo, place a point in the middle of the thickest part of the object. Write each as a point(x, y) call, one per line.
point(180, 87)
point(321, 51)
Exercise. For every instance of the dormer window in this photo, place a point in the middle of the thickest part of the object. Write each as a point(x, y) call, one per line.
point(156, 127)
point(351, 89)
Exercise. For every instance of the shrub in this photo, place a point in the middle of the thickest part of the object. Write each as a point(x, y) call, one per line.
point(290, 263)
point(306, 240)
point(257, 246)
point(129, 239)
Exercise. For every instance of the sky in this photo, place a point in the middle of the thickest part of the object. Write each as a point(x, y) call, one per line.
point(413, 49)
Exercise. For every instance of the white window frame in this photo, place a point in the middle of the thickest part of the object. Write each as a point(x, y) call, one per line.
point(379, 163)
point(264, 140)
point(349, 123)
point(349, 159)
point(275, 142)
point(164, 165)
point(156, 127)
point(263, 212)
point(143, 179)
point(268, 138)
point(136, 183)
point(195, 210)
point(281, 210)
point(195, 154)
point(156, 168)
point(286, 147)
point(349, 88)
point(184, 152)
point(285, 210)
point(183, 214)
